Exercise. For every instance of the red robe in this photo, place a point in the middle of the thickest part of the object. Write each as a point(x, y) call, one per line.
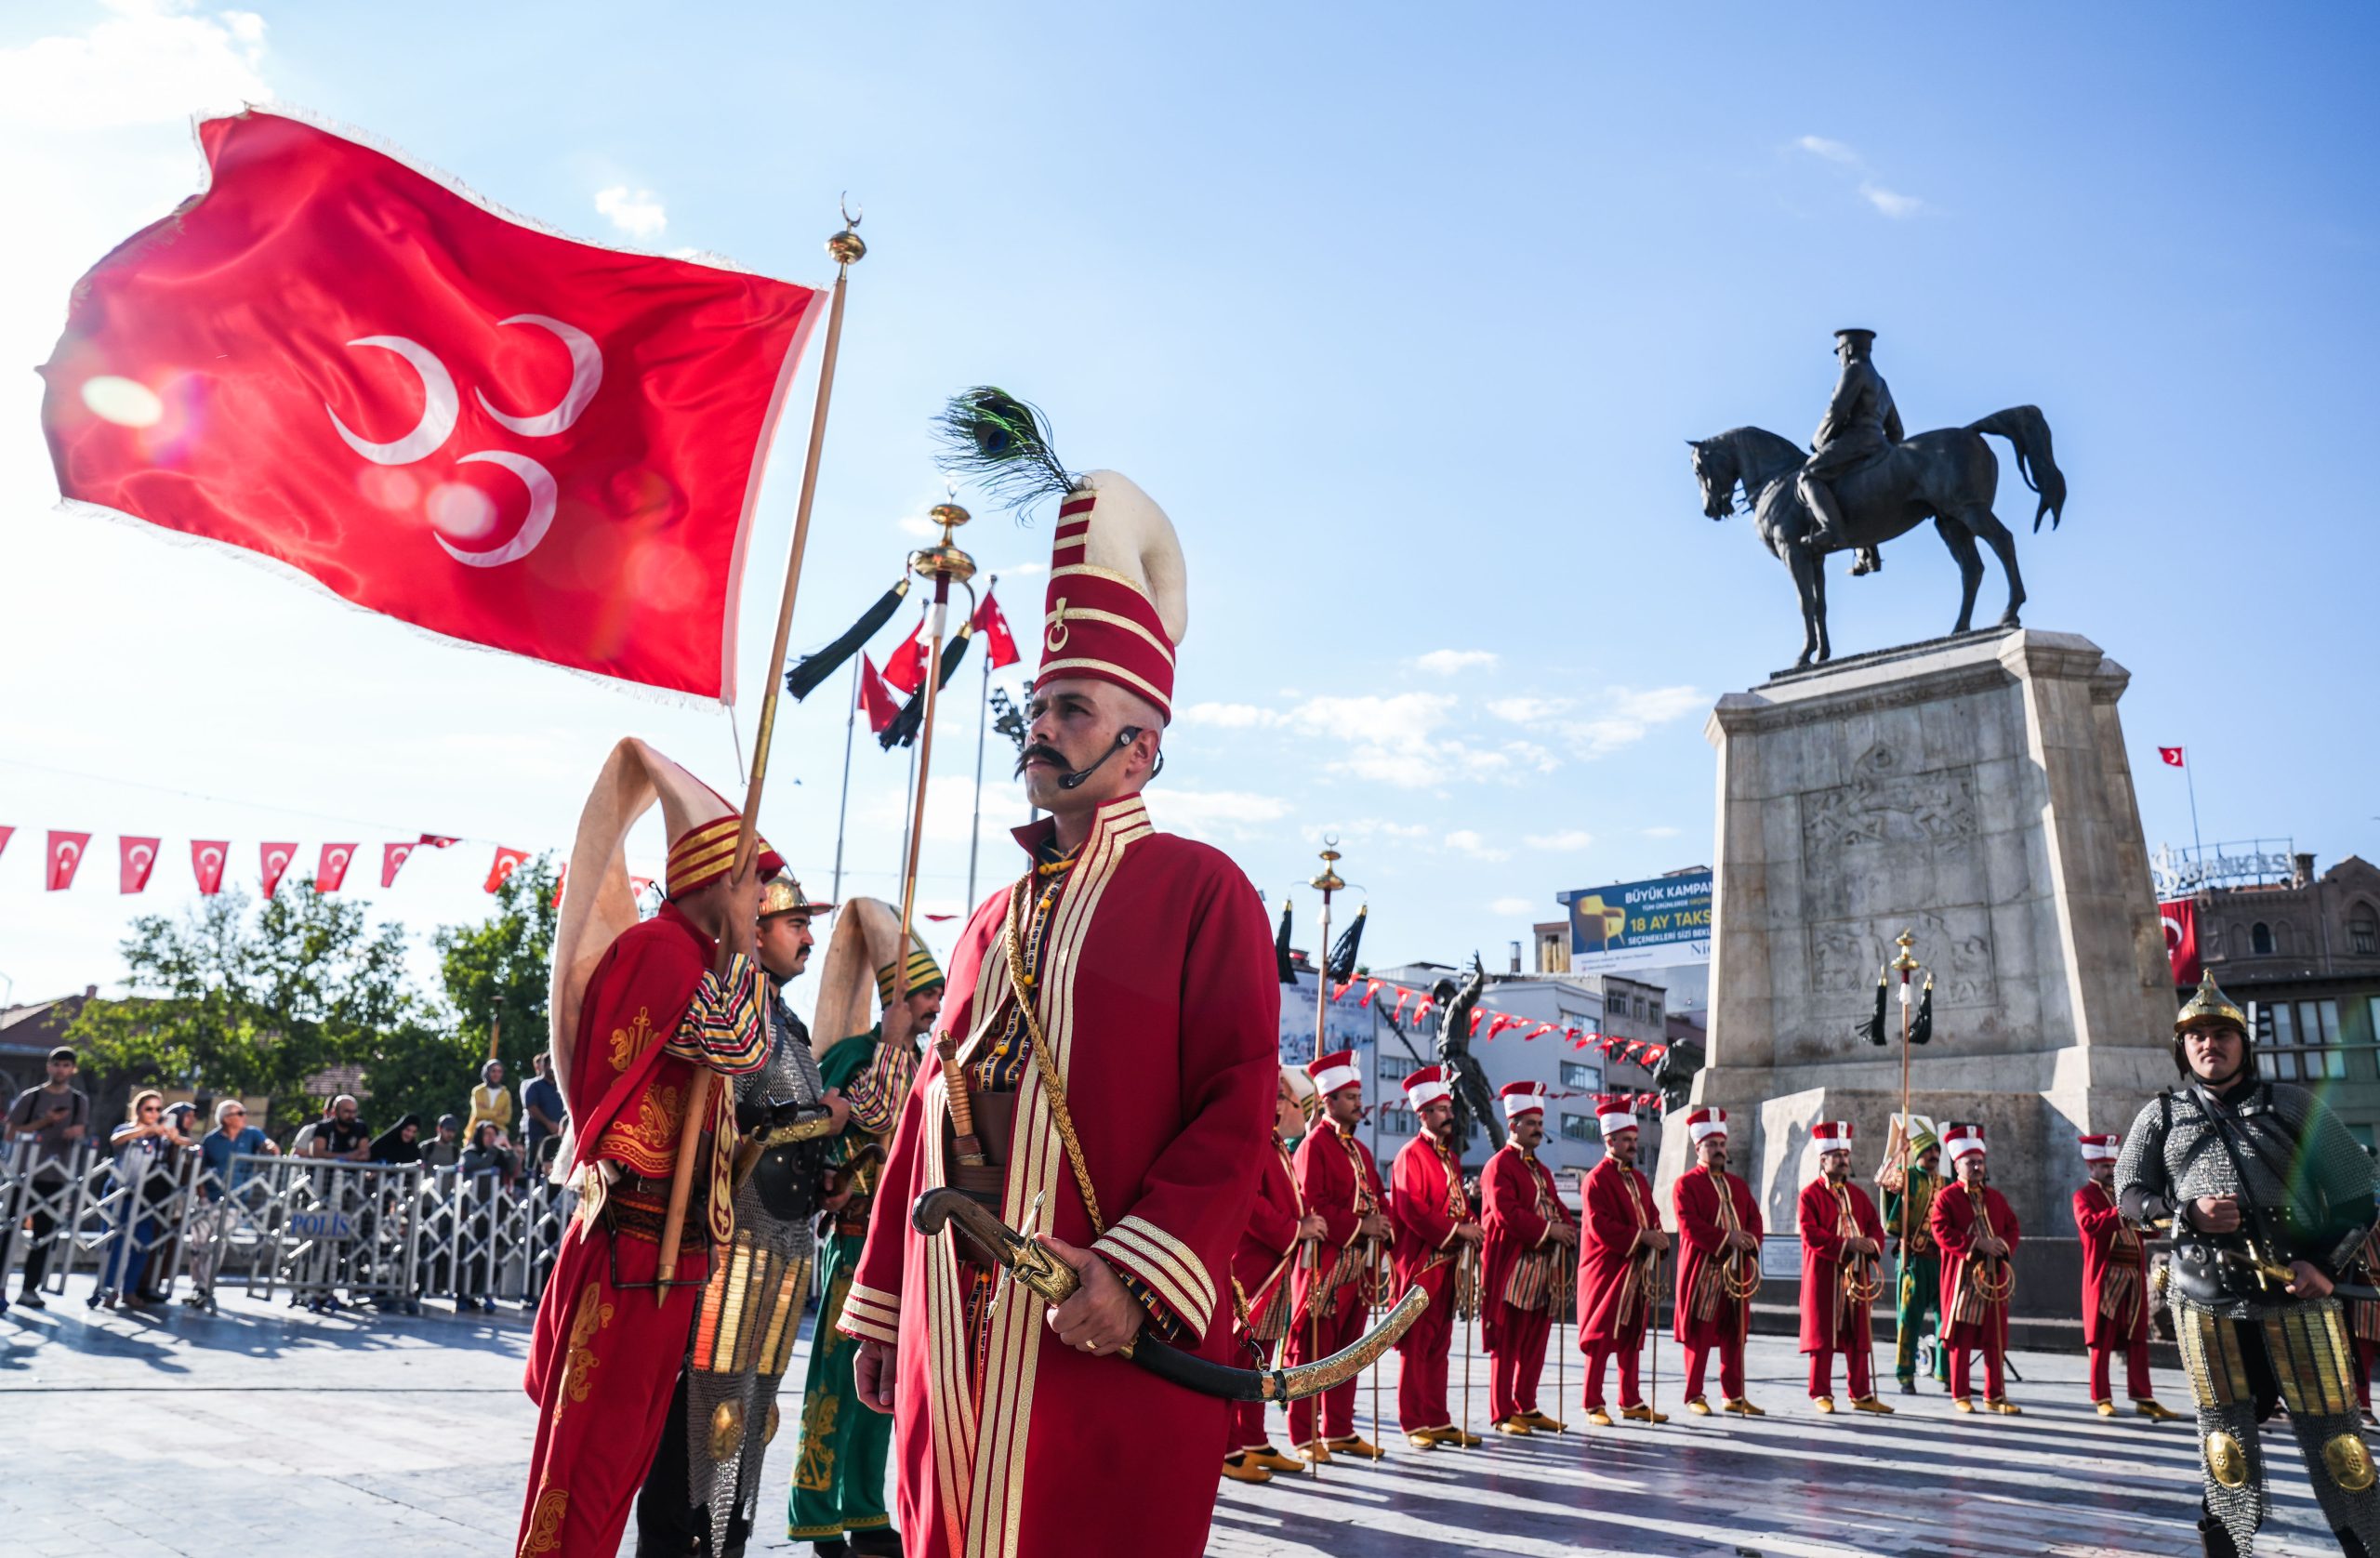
point(1158, 998)
point(1953, 1221)
point(1427, 1201)
point(1339, 1181)
point(1520, 1193)
point(1700, 1230)
point(1615, 1302)
point(1260, 1266)
point(2115, 1287)
point(1831, 1322)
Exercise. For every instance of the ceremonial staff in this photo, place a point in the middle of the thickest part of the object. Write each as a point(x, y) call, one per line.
point(1328, 882)
point(945, 564)
point(846, 249)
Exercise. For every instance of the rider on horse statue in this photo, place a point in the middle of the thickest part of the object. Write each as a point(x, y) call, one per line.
point(1861, 425)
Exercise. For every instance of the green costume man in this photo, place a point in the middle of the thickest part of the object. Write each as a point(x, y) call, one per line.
point(1921, 1261)
point(837, 1498)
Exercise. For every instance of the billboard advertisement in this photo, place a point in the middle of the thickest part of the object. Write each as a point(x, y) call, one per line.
point(1655, 924)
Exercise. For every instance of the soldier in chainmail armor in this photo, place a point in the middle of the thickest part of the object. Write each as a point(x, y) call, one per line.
point(2270, 1198)
point(700, 1495)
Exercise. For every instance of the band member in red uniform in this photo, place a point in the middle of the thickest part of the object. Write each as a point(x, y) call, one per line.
point(1114, 1030)
point(1260, 1277)
point(2115, 1283)
point(1437, 1248)
point(1841, 1241)
point(1621, 1245)
point(637, 1007)
point(1525, 1266)
point(1340, 1183)
point(1718, 1269)
point(1978, 1234)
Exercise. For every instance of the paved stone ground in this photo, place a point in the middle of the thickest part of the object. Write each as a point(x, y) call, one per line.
point(264, 1430)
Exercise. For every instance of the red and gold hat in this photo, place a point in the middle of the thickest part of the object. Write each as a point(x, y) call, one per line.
point(1963, 1140)
point(1116, 605)
point(2104, 1147)
point(1522, 1098)
point(1427, 1087)
point(1615, 1112)
point(1334, 1071)
point(1831, 1136)
point(1703, 1122)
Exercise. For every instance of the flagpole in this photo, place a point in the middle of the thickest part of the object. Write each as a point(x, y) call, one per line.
point(846, 249)
point(843, 804)
point(2189, 782)
point(983, 724)
point(943, 563)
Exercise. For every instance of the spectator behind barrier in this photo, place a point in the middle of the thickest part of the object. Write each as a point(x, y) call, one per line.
point(221, 1178)
point(541, 1102)
point(445, 1149)
point(399, 1143)
point(342, 1135)
point(143, 1144)
point(56, 1117)
point(489, 1101)
point(487, 1166)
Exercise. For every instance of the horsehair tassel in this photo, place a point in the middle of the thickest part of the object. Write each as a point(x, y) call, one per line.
point(962, 1108)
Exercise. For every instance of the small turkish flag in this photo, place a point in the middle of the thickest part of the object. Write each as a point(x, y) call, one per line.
point(437, 413)
point(134, 859)
point(639, 886)
point(998, 642)
point(2173, 756)
point(206, 857)
point(331, 869)
point(436, 841)
point(875, 699)
point(393, 856)
point(65, 855)
point(503, 865)
point(905, 668)
point(275, 859)
point(5, 834)
point(562, 877)
point(2181, 938)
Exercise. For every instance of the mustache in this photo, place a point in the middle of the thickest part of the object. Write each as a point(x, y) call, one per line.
point(1038, 750)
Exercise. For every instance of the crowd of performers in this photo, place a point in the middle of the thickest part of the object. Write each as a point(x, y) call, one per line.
point(1164, 1228)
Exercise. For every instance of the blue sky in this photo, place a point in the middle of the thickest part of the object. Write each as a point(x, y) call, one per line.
point(1404, 314)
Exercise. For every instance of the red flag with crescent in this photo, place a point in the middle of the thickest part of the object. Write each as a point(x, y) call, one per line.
point(2181, 938)
point(2171, 756)
point(331, 869)
point(274, 859)
point(134, 859)
point(434, 411)
point(503, 865)
point(991, 626)
point(206, 857)
point(65, 857)
point(392, 858)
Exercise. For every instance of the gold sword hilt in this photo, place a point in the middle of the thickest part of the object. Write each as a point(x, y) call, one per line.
point(962, 1105)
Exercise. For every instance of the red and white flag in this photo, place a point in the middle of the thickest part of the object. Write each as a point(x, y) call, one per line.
point(134, 859)
point(904, 669)
point(875, 700)
point(992, 627)
point(5, 834)
point(2173, 756)
point(436, 841)
point(206, 857)
point(331, 869)
point(65, 856)
point(274, 859)
point(392, 857)
point(561, 879)
point(2181, 938)
point(503, 865)
point(434, 411)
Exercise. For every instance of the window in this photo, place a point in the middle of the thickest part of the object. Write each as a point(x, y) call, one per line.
point(1653, 1011)
point(2363, 933)
point(2260, 939)
point(1578, 1128)
point(1396, 1120)
point(1578, 1073)
point(2304, 1036)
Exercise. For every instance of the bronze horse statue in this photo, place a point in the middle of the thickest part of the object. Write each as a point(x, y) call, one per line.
point(1948, 476)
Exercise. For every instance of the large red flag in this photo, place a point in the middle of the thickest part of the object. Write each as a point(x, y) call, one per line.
point(992, 625)
point(905, 668)
point(875, 699)
point(331, 869)
point(2181, 938)
point(65, 855)
point(274, 859)
point(393, 856)
point(206, 857)
point(436, 412)
point(134, 859)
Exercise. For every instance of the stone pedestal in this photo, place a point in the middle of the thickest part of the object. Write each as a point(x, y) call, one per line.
point(1973, 791)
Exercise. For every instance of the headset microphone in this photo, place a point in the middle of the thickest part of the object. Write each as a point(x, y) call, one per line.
point(1124, 738)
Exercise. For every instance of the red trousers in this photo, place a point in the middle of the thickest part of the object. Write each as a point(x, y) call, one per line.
point(1512, 1383)
point(1337, 1406)
point(1854, 1373)
point(1628, 1353)
point(2135, 1370)
point(1421, 1374)
point(1994, 1385)
point(1248, 1431)
point(1731, 1369)
point(602, 1368)
point(2364, 1351)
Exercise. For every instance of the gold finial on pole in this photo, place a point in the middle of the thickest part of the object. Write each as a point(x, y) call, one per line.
point(1904, 965)
point(946, 565)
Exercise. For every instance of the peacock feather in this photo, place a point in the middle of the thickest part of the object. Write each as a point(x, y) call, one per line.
point(1003, 444)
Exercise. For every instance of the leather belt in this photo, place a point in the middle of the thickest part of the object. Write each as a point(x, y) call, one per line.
point(852, 1230)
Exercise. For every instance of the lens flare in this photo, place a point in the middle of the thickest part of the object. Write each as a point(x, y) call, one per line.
point(125, 401)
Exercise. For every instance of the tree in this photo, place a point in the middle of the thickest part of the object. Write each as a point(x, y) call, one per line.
point(253, 1006)
point(495, 973)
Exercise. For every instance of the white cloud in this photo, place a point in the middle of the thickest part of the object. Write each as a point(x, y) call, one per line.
point(1833, 151)
point(1021, 570)
point(1527, 710)
point(1464, 841)
point(1662, 832)
point(1230, 717)
point(918, 524)
point(1628, 716)
point(1511, 907)
point(1891, 203)
point(147, 64)
point(1362, 829)
point(1204, 814)
point(1403, 721)
point(1446, 662)
point(1567, 840)
point(636, 213)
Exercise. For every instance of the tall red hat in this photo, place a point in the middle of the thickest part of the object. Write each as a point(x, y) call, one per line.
point(1522, 1098)
point(1334, 1071)
point(1615, 1112)
point(2104, 1148)
point(1704, 1122)
point(1116, 605)
point(1831, 1136)
point(1427, 1086)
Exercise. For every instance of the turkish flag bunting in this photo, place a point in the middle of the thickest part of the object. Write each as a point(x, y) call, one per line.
point(392, 859)
point(134, 859)
point(5, 834)
point(331, 869)
point(65, 855)
point(904, 669)
point(503, 865)
point(206, 857)
point(992, 626)
point(562, 877)
point(639, 886)
point(436, 841)
point(875, 699)
point(275, 859)
point(2181, 938)
point(2173, 756)
point(437, 413)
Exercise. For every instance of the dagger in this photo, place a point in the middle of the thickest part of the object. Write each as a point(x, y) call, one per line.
point(1054, 1282)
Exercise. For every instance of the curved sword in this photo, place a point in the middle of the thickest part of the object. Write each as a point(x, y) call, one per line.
point(1053, 1283)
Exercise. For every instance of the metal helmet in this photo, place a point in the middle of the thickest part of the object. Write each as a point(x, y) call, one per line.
point(2210, 1008)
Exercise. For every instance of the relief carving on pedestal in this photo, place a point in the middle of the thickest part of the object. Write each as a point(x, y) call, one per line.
point(1884, 804)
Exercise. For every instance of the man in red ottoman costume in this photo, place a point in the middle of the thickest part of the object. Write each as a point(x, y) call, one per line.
point(1977, 1231)
point(1719, 1268)
point(1525, 1268)
point(1842, 1240)
point(1330, 1287)
point(1622, 1245)
point(1437, 1235)
point(1260, 1277)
